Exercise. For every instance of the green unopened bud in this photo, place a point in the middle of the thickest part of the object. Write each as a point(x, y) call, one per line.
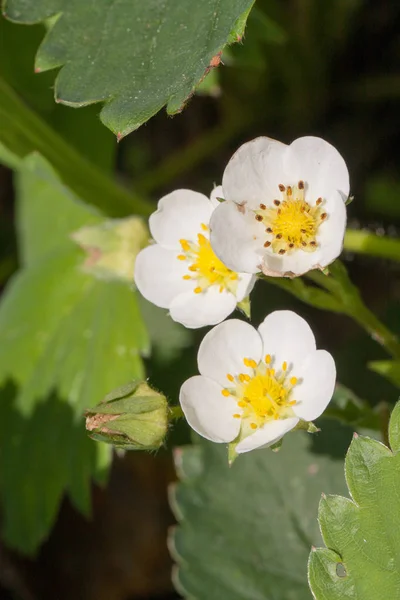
point(132, 417)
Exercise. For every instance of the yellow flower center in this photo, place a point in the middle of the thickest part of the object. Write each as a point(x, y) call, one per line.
point(205, 267)
point(264, 395)
point(292, 223)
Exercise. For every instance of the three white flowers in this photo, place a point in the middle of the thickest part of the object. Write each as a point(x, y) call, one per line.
point(281, 210)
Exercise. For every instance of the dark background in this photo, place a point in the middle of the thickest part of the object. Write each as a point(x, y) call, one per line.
point(305, 67)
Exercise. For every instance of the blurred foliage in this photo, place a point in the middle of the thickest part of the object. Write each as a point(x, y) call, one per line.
point(303, 66)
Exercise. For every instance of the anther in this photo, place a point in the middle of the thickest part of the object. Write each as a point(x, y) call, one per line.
point(304, 243)
point(262, 206)
point(236, 416)
point(181, 257)
point(204, 227)
point(225, 392)
point(259, 218)
point(281, 187)
point(197, 290)
point(313, 243)
point(293, 380)
point(267, 359)
point(300, 185)
point(253, 425)
point(289, 190)
point(249, 362)
point(186, 277)
point(267, 244)
point(319, 201)
point(303, 230)
point(184, 244)
point(284, 366)
point(278, 236)
point(291, 245)
point(282, 251)
point(268, 230)
point(277, 202)
point(230, 377)
point(241, 404)
point(323, 216)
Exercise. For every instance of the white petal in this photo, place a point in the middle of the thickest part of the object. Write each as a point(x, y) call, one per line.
point(217, 192)
point(267, 435)
point(223, 349)
point(287, 337)
point(207, 308)
point(331, 232)
point(237, 238)
point(254, 172)
point(319, 165)
point(318, 375)
point(298, 262)
point(179, 216)
point(245, 285)
point(159, 275)
point(207, 411)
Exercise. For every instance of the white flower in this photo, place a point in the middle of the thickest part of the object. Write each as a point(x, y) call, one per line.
point(285, 207)
point(181, 272)
point(255, 385)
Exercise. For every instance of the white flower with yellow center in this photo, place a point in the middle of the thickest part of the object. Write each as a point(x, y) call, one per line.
point(256, 385)
point(180, 271)
point(285, 211)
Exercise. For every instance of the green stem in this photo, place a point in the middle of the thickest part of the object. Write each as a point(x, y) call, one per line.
point(22, 131)
point(340, 286)
point(377, 330)
point(364, 242)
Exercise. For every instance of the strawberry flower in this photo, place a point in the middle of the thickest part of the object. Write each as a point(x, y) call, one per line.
point(256, 385)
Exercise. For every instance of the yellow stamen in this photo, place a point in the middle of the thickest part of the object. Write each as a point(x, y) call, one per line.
point(225, 392)
point(249, 362)
point(186, 277)
point(181, 257)
point(230, 377)
point(204, 227)
point(185, 245)
point(197, 290)
point(236, 416)
point(241, 404)
point(267, 359)
point(284, 366)
point(253, 425)
point(293, 380)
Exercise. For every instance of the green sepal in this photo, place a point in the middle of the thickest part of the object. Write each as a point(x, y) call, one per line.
point(245, 307)
point(306, 426)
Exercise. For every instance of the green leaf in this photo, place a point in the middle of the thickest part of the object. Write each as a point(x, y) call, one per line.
point(67, 340)
point(245, 531)
point(134, 56)
point(362, 533)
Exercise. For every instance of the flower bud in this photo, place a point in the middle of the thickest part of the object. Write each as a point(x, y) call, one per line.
point(111, 247)
point(132, 417)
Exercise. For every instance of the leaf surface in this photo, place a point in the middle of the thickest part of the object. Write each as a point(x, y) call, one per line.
point(67, 340)
point(135, 56)
point(361, 560)
point(245, 531)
